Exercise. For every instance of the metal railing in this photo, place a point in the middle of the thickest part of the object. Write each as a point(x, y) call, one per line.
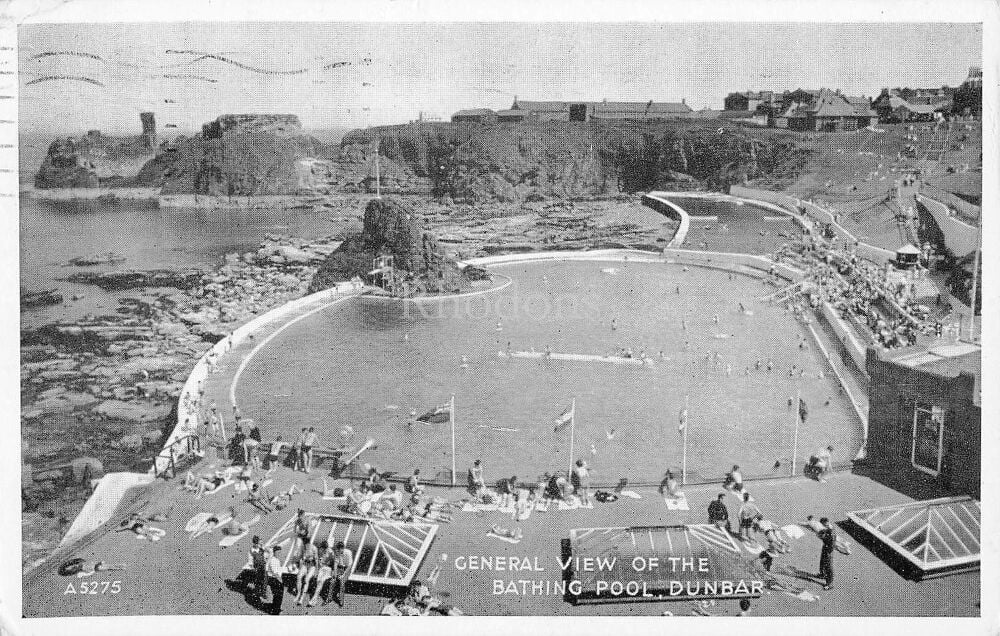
point(171, 460)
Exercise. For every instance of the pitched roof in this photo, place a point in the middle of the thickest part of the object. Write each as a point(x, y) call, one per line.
point(831, 104)
point(541, 107)
point(512, 112)
point(474, 112)
point(923, 109)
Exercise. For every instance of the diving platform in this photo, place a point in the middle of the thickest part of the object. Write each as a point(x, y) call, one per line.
point(576, 357)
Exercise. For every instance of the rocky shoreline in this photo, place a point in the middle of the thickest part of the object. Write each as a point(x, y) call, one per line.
point(105, 388)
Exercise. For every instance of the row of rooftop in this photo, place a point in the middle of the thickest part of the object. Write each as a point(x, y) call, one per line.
point(821, 109)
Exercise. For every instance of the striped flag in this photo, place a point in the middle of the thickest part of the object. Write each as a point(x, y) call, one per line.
point(683, 420)
point(564, 418)
point(437, 415)
point(803, 411)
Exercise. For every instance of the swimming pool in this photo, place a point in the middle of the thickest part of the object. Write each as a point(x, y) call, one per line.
point(370, 363)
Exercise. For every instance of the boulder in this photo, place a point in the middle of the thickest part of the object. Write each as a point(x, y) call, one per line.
point(138, 412)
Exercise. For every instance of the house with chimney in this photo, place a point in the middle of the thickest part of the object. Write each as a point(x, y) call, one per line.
point(825, 111)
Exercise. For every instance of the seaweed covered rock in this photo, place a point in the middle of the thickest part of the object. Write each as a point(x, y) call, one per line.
point(418, 264)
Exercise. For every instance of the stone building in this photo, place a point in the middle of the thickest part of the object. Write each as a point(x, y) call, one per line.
point(925, 417)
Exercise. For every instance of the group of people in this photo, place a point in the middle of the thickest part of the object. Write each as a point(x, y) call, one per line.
point(751, 519)
point(862, 289)
point(318, 566)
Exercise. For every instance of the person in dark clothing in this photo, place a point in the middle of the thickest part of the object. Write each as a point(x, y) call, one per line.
point(829, 539)
point(766, 558)
point(236, 455)
point(719, 514)
point(258, 561)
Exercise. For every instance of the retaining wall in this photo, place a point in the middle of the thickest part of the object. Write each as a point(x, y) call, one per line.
point(961, 238)
point(658, 201)
point(821, 215)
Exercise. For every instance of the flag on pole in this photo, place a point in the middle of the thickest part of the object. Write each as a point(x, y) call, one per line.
point(437, 415)
point(565, 417)
point(803, 411)
point(683, 420)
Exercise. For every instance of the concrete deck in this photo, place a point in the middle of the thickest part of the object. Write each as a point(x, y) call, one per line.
point(181, 576)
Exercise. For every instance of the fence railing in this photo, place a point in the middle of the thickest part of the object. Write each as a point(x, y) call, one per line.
point(175, 455)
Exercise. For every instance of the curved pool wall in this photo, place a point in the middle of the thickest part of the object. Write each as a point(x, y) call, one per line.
point(187, 419)
point(746, 264)
point(961, 238)
point(659, 202)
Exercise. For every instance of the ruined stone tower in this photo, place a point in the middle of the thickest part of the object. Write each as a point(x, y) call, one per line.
point(149, 129)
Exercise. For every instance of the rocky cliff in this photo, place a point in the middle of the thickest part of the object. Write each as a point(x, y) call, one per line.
point(238, 155)
point(571, 159)
point(419, 265)
point(95, 159)
point(248, 155)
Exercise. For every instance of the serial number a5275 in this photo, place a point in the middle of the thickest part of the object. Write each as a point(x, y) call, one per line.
point(94, 587)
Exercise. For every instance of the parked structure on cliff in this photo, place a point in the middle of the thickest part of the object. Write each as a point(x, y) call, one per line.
point(602, 110)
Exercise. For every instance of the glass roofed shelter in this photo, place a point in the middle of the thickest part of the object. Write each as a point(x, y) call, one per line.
point(935, 537)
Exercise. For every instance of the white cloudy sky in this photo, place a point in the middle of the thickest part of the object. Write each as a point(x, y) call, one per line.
point(439, 68)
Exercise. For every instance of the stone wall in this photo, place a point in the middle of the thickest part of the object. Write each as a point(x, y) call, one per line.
point(892, 394)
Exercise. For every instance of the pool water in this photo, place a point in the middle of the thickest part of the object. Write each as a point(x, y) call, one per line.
point(369, 363)
point(729, 227)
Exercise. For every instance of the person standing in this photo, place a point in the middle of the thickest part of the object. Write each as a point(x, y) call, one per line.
point(274, 573)
point(274, 453)
point(343, 559)
point(581, 482)
point(719, 514)
point(298, 452)
point(258, 560)
point(308, 442)
point(749, 512)
point(829, 539)
point(476, 483)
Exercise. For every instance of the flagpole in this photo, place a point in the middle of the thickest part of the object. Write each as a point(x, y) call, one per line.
point(684, 457)
point(451, 413)
point(795, 442)
point(572, 433)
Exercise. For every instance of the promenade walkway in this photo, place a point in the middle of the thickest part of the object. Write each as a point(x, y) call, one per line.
point(180, 576)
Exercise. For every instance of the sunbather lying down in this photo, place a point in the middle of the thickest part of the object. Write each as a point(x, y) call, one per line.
point(140, 527)
point(100, 566)
point(81, 568)
point(512, 533)
point(223, 518)
point(283, 499)
point(204, 483)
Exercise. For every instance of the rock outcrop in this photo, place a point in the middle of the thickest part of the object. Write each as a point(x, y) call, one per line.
point(96, 160)
point(238, 155)
point(418, 264)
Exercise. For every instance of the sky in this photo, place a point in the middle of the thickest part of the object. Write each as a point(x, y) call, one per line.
point(396, 71)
